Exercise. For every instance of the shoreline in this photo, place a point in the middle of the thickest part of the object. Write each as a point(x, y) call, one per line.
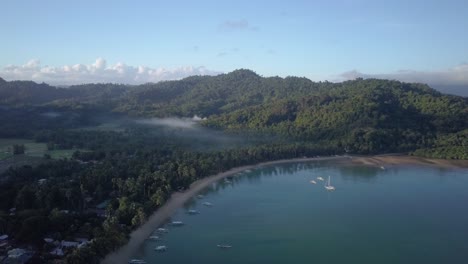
point(399, 160)
point(177, 200)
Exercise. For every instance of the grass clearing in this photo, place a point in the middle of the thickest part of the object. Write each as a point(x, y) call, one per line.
point(62, 153)
point(32, 149)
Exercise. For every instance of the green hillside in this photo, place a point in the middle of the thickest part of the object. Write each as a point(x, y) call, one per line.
point(359, 116)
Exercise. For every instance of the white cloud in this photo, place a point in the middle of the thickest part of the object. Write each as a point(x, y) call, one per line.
point(454, 76)
point(98, 72)
point(100, 64)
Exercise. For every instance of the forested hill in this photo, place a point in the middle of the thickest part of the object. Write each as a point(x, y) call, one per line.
point(364, 116)
point(214, 95)
point(26, 93)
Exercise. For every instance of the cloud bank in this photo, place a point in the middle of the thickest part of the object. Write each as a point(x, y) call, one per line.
point(453, 80)
point(454, 76)
point(97, 72)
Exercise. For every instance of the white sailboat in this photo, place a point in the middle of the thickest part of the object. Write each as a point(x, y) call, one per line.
point(328, 186)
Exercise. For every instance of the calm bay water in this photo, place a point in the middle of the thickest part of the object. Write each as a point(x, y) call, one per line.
point(275, 215)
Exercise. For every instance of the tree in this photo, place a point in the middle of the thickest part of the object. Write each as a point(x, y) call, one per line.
point(33, 229)
point(18, 149)
point(26, 198)
point(139, 218)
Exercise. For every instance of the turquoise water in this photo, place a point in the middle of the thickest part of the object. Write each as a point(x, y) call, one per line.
point(275, 215)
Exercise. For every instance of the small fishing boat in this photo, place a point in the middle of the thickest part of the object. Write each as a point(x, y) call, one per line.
point(382, 167)
point(193, 212)
point(320, 178)
point(313, 182)
point(153, 238)
point(200, 196)
point(207, 204)
point(162, 230)
point(224, 246)
point(136, 261)
point(160, 248)
point(177, 223)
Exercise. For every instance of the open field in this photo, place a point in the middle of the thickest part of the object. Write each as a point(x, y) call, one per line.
point(32, 149)
point(34, 153)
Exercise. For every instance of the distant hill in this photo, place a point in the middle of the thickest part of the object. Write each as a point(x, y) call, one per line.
point(461, 90)
point(23, 93)
point(364, 116)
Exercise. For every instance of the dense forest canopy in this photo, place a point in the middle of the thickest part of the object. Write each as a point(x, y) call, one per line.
point(363, 116)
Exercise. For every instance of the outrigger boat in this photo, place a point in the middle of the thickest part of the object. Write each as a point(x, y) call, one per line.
point(160, 248)
point(224, 246)
point(136, 261)
point(162, 230)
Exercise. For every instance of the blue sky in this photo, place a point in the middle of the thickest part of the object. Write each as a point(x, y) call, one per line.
point(316, 39)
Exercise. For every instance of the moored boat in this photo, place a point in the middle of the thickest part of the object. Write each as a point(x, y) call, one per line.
point(224, 246)
point(160, 248)
point(162, 230)
point(136, 261)
point(328, 186)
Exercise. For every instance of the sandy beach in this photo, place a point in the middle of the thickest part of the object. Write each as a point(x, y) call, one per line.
point(177, 200)
point(389, 160)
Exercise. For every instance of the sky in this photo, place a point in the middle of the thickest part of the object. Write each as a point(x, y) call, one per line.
point(67, 42)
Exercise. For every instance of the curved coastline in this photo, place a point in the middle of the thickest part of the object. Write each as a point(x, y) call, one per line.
point(177, 200)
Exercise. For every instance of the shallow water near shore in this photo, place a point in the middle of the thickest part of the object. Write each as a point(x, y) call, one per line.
point(403, 214)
